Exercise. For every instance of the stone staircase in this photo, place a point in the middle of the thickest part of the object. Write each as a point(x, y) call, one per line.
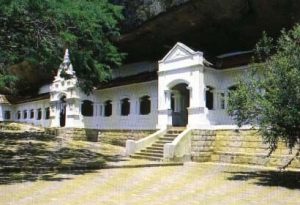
point(155, 151)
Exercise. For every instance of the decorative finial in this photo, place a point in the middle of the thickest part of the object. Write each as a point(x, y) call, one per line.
point(66, 57)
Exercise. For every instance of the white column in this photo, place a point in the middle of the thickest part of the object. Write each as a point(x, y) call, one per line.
point(168, 99)
point(164, 108)
point(196, 114)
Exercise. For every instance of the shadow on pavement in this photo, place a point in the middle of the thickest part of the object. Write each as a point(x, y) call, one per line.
point(31, 156)
point(287, 179)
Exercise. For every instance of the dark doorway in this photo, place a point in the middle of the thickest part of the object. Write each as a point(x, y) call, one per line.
point(62, 113)
point(180, 101)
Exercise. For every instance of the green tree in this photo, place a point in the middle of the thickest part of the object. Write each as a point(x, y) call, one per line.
point(269, 94)
point(36, 32)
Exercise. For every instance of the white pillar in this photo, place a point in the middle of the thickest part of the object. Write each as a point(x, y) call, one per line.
point(168, 99)
point(164, 109)
point(196, 114)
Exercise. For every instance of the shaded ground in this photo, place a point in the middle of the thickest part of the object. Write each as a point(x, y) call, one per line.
point(288, 179)
point(30, 156)
point(189, 184)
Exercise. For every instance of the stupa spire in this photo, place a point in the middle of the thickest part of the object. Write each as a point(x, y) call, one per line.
point(66, 56)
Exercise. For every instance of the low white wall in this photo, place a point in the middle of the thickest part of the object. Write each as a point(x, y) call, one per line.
point(34, 105)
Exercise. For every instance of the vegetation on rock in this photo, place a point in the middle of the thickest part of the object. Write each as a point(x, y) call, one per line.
point(269, 94)
point(37, 32)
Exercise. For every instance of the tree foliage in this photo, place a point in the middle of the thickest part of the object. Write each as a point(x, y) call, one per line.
point(38, 31)
point(269, 94)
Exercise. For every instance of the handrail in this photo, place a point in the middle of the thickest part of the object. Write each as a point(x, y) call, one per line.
point(180, 148)
point(133, 146)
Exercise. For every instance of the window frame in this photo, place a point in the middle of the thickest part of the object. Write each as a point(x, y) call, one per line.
point(18, 114)
point(145, 99)
point(32, 114)
point(89, 110)
point(125, 107)
point(47, 113)
point(106, 103)
point(7, 114)
point(25, 114)
point(39, 114)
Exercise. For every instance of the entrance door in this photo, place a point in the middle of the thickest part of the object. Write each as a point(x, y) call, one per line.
point(62, 113)
point(180, 100)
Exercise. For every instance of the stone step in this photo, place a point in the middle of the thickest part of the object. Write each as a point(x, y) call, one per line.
point(152, 151)
point(155, 148)
point(149, 154)
point(158, 145)
point(167, 138)
point(164, 140)
point(177, 128)
point(135, 156)
point(173, 132)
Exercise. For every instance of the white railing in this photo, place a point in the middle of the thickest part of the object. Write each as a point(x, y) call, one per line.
point(134, 146)
point(180, 148)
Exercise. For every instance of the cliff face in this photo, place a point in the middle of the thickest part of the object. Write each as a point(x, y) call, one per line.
point(136, 12)
point(152, 27)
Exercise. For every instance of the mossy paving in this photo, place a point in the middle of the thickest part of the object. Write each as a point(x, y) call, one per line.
point(189, 184)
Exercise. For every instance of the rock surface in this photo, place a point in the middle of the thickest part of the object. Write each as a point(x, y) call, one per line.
point(152, 27)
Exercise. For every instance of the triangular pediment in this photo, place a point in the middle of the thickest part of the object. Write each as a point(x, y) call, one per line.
point(179, 51)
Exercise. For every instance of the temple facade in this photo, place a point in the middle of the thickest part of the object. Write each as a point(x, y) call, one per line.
point(183, 89)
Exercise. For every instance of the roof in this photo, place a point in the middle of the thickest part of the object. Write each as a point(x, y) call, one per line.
point(3, 100)
point(23, 99)
point(235, 59)
point(121, 81)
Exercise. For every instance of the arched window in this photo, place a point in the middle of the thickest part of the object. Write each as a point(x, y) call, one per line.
point(107, 108)
point(7, 115)
point(31, 114)
point(47, 111)
point(145, 105)
point(19, 115)
point(232, 88)
point(125, 107)
point(24, 114)
point(209, 96)
point(87, 108)
point(39, 115)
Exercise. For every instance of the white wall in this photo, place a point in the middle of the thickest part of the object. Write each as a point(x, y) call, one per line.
point(134, 120)
point(221, 80)
point(35, 105)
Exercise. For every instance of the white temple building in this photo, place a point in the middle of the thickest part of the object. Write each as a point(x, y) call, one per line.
point(183, 89)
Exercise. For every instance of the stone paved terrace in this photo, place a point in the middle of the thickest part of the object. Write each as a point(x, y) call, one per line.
point(193, 183)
